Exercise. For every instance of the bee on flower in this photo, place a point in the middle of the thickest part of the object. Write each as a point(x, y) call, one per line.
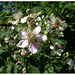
point(56, 24)
point(57, 48)
point(28, 39)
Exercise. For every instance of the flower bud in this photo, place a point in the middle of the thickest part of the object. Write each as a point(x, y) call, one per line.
point(24, 70)
point(28, 11)
point(6, 39)
point(18, 63)
point(23, 53)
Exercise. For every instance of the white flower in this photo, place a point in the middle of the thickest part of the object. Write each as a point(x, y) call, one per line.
point(51, 47)
point(24, 70)
point(14, 56)
point(42, 16)
point(6, 39)
point(17, 15)
point(71, 64)
point(14, 22)
point(37, 23)
point(55, 24)
point(12, 27)
point(56, 49)
point(38, 18)
point(29, 37)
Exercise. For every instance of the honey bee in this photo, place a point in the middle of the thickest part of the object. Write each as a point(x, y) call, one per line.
point(30, 21)
point(6, 24)
point(56, 24)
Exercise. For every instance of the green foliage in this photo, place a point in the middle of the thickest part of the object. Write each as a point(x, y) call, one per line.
point(9, 66)
point(37, 9)
point(48, 68)
point(32, 69)
point(1, 51)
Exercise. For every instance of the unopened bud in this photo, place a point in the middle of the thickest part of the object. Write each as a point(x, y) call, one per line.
point(18, 63)
point(23, 53)
point(28, 11)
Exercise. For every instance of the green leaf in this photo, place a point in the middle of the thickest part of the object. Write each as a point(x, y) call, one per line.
point(1, 51)
point(32, 69)
point(1, 68)
point(37, 9)
point(15, 68)
point(58, 67)
point(48, 69)
point(57, 40)
point(5, 32)
point(9, 66)
point(48, 9)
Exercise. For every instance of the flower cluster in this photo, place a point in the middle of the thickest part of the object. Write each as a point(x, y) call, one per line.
point(33, 34)
point(57, 48)
point(55, 24)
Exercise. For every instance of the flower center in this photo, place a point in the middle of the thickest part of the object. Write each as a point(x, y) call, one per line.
point(56, 24)
point(30, 35)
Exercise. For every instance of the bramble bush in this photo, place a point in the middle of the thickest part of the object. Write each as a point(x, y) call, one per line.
point(37, 37)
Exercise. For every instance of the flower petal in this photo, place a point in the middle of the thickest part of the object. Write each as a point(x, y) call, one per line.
point(22, 34)
point(51, 47)
point(37, 30)
point(69, 62)
point(41, 37)
point(38, 18)
point(59, 51)
point(23, 43)
point(33, 47)
point(14, 22)
point(23, 20)
point(52, 17)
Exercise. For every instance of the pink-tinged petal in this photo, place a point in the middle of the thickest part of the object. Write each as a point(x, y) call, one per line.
point(22, 34)
point(33, 47)
point(37, 30)
point(41, 37)
point(23, 52)
point(18, 63)
point(23, 43)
